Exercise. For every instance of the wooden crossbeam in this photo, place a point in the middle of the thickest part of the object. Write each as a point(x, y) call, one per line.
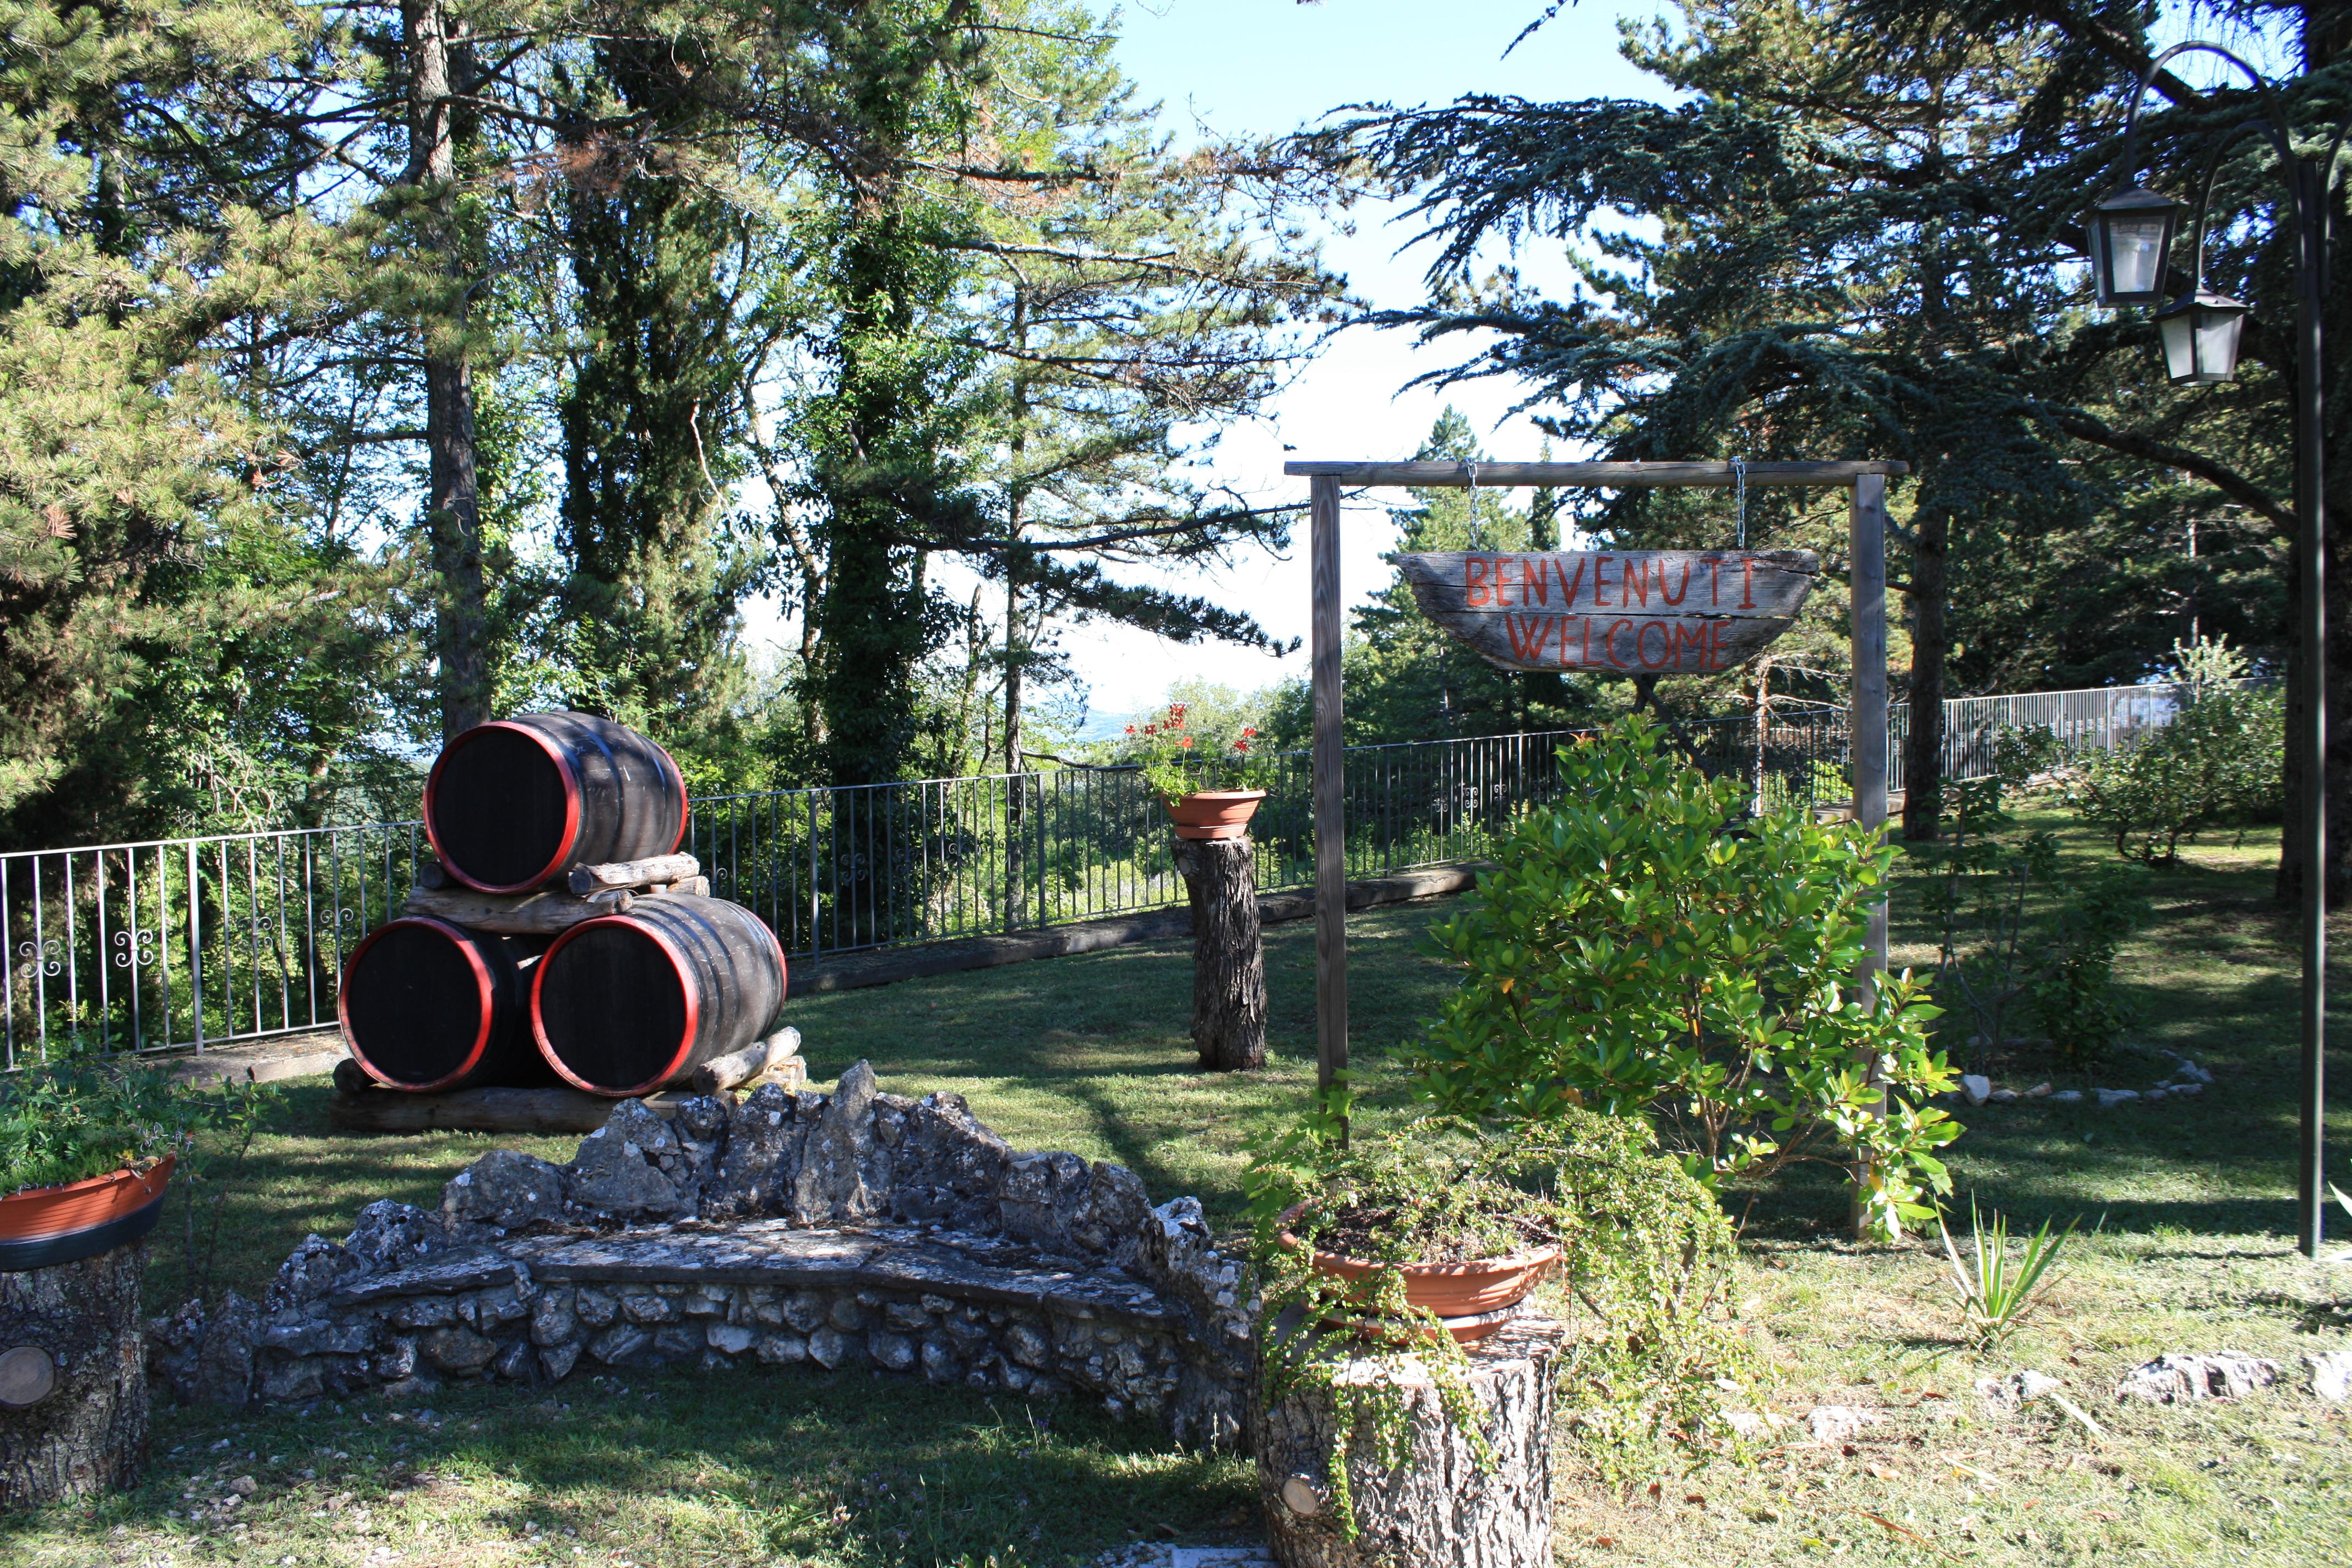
point(1589, 476)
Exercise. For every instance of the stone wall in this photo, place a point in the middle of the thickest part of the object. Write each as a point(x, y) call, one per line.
point(858, 1229)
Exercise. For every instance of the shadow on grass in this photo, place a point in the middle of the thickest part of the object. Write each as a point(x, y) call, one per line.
point(841, 1467)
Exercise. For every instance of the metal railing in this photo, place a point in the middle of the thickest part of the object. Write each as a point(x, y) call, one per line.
point(193, 942)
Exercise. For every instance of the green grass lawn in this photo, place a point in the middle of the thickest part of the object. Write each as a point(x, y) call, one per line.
point(1091, 1054)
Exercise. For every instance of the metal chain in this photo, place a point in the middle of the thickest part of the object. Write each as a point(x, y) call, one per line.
point(1477, 532)
point(1739, 499)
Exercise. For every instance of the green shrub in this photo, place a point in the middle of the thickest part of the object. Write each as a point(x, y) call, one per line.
point(2012, 935)
point(1640, 950)
point(2217, 764)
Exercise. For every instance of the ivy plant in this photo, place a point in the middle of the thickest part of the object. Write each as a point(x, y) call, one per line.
point(1645, 1253)
point(1644, 949)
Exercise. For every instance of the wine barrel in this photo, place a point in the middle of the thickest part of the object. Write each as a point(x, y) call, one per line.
point(425, 1004)
point(517, 802)
point(625, 1004)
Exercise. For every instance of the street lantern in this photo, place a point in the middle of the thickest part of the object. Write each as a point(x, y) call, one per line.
point(2201, 336)
point(2131, 243)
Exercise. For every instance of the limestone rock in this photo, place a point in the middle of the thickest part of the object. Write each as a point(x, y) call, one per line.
point(1117, 1209)
point(2019, 1388)
point(2175, 1378)
point(844, 1174)
point(1975, 1087)
point(506, 1190)
point(224, 1364)
point(950, 1166)
point(2110, 1097)
point(1840, 1423)
point(2331, 1375)
point(763, 1156)
point(618, 1168)
point(1043, 1193)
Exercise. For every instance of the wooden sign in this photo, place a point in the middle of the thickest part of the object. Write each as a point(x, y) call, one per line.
point(1633, 612)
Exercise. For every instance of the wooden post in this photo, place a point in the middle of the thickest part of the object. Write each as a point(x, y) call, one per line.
point(73, 1379)
point(1228, 952)
point(1330, 800)
point(1868, 551)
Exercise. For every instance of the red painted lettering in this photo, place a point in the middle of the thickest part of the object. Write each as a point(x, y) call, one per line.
point(1528, 634)
point(1600, 588)
point(1502, 581)
point(1473, 580)
point(1748, 583)
point(1535, 588)
point(1609, 644)
point(1717, 657)
point(1666, 644)
point(1714, 581)
point(1680, 592)
point(1634, 584)
point(1568, 585)
point(1690, 645)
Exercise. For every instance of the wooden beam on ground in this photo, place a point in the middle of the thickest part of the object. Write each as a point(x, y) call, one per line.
point(1330, 791)
point(1594, 476)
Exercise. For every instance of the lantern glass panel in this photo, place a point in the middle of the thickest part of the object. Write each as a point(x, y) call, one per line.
point(2180, 336)
point(2131, 245)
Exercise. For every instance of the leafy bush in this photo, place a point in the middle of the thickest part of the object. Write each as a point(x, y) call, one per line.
point(1638, 950)
point(78, 1120)
point(2011, 935)
point(2219, 763)
point(1644, 1249)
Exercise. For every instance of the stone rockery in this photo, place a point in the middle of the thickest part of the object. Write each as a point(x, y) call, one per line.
point(853, 1229)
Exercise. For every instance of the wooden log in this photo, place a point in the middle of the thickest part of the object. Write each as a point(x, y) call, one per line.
point(1657, 612)
point(657, 870)
point(1436, 1509)
point(725, 1072)
point(1598, 475)
point(1228, 952)
point(431, 873)
point(476, 1111)
point(73, 1378)
point(514, 914)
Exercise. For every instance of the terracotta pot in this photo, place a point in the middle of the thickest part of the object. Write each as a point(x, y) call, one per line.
point(1474, 1298)
point(49, 1226)
point(1214, 813)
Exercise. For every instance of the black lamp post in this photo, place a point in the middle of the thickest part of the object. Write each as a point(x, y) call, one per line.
point(2130, 242)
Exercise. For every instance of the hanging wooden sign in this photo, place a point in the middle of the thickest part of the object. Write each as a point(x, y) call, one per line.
point(1634, 612)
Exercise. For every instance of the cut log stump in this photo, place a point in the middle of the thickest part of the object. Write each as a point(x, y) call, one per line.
point(1435, 1510)
point(1228, 952)
point(73, 1379)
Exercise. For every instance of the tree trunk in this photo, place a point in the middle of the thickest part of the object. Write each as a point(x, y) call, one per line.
point(73, 1379)
point(1922, 746)
point(1436, 1509)
point(453, 494)
point(1228, 952)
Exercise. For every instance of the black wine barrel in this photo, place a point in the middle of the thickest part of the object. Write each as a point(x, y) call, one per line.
point(625, 1004)
point(425, 1004)
point(518, 801)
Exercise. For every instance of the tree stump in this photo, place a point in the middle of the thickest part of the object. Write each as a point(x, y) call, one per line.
point(73, 1378)
point(1228, 952)
point(1436, 1510)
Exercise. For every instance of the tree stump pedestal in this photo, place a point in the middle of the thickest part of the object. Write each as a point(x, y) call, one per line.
point(73, 1378)
point(1435, 1510)
point(1228, 952)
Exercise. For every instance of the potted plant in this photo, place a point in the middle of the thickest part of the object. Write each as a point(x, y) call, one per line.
point(1380, 1260)
point(86, 1150)
point(1211, 790)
